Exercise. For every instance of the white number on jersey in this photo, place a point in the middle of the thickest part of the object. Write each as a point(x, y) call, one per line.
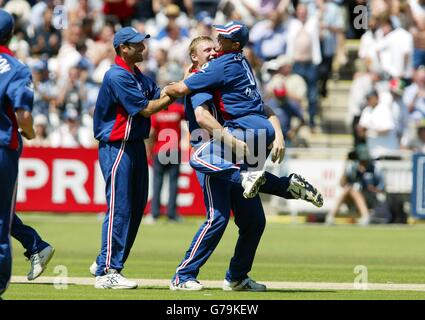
point(4, 66)
point(248, 72)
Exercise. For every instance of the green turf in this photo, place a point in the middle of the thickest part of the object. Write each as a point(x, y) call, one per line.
point(311, 253)
point(74, 292)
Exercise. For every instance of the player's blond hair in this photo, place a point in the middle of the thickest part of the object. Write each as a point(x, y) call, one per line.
point(195, 42)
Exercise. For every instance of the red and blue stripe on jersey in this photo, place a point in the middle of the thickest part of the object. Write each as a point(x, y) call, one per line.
point(123, 94)
point(15, 93)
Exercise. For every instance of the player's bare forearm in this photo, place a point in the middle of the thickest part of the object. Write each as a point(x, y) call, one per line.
point(207, 122)
point(25, 123)
point(276, 126)
point(177, 90)
point(278, 147)
point(157, 105)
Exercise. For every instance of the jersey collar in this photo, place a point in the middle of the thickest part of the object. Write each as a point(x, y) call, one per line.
point(121, 62)
point(6, 50)
point(221, 53)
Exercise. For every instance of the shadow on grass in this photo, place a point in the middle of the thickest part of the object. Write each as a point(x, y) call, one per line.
point(220, 290)
point(205, 290)
point(49, 284)
point(301, 291)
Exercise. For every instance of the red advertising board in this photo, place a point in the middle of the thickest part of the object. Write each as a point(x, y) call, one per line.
point(70, 180)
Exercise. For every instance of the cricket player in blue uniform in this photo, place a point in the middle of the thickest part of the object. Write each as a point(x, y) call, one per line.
point(126, 100)
point(16, 101)
point(230, 79)
point(220, 196)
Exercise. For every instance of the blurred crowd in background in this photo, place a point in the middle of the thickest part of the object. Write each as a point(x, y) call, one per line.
point(295, 48)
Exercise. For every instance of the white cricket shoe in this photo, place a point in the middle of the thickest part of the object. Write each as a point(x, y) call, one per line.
point(251, 182)
point(93, 268)
point(39, 262)
point(244, 285)
point(330, 220)
point(300, 188)
point(114, 280)
point(191, 285)
point(364, 221)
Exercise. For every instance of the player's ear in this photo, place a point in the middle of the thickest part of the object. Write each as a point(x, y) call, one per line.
point(123, 48)
point(193, 57)
point(236, 46)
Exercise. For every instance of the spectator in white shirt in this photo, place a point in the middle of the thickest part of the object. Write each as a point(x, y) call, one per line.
point(367, 50)
point(363, 82)
point(395, 50)
point(68, 56)
point(414, 95)
point(304, 49)
point(377, 126)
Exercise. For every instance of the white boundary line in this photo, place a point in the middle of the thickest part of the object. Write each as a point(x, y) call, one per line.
point(218, 284)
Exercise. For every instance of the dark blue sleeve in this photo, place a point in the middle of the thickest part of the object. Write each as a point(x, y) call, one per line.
point(127, 93)
point(21, 90)
point(200, 98)
point(209, 76)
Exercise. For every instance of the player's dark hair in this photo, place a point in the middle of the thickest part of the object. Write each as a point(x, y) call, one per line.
point(5, 40)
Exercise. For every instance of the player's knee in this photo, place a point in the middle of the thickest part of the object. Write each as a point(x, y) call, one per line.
point(260, 224)
point(193, 163)
point(254, 225)
point(219, 223)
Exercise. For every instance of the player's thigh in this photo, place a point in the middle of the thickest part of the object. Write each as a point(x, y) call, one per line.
point(8, 176)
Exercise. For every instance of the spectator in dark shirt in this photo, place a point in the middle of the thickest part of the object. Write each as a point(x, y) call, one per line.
point(362, 182)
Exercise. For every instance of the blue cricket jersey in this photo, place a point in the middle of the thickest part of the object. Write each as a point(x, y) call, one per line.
point(16, 92)
point(191, 102)
point(123, 94)
point(229, 77)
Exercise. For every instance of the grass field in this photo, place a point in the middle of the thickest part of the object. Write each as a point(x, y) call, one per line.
point(287, 253)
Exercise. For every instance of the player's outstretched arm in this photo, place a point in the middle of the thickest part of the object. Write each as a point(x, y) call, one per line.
point(25, 123)
point(278, 147)
point(177, 90)
point(157, 105)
